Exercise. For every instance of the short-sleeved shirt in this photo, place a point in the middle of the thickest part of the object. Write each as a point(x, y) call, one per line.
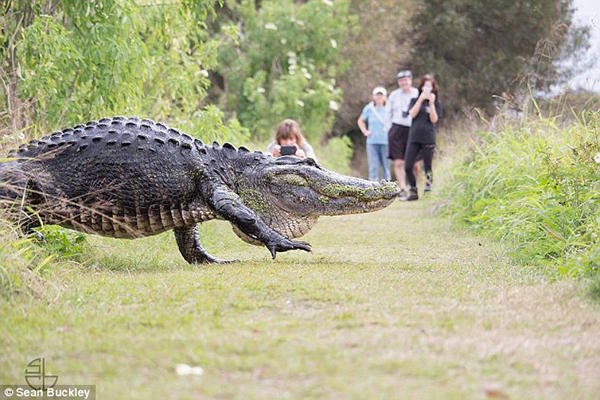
point(397, 107)
point(375, 118)
point(422, 129)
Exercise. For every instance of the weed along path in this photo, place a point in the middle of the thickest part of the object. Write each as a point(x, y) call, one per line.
point(394, 304)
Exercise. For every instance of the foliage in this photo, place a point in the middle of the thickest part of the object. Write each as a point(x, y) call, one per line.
point(336, 154)
point(283, 63)
point(80, 61)
point(26, 262)
point(538, 187)
point(570, 104)
point(63, 243)
point(479, 49)
point(21, 262)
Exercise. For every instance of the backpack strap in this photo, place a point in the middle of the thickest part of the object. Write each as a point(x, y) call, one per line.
point(377, 115)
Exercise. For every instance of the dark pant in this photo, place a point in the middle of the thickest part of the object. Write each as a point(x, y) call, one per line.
point(412, 150)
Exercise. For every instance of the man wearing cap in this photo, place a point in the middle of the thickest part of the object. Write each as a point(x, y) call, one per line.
point(374, 116)
point(398, 124)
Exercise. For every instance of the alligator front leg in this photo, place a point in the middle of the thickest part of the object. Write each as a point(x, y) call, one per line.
point(189, 245)
point(229, 206)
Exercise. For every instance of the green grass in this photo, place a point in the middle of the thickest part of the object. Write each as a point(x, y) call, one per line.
point(394, 304)
point(537, 187)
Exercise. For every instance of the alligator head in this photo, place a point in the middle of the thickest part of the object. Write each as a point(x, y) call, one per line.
point(290, 194)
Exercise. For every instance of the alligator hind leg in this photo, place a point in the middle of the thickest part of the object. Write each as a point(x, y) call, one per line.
point(189, 245)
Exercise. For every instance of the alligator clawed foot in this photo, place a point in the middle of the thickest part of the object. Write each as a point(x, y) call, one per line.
point(286, 245)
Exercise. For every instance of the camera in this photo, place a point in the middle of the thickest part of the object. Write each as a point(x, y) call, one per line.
point(288, 150)
point(426, 89)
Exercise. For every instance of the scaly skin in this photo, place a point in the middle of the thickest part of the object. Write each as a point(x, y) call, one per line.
point(130, 177)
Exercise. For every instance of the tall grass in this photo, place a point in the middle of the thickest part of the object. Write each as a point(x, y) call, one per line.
point(28, 262)
point(536, 186)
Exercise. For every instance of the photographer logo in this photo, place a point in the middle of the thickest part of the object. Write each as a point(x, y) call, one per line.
point(41, 384)
point(35, 375)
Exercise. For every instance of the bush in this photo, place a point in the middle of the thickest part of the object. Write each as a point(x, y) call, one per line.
point(538, 187)
point(22, 263)
point(336, 155)
point(74, 62)
point(62, 243)
point(280, 59)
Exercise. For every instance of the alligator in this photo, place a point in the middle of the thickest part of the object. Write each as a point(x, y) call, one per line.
point(127, 177)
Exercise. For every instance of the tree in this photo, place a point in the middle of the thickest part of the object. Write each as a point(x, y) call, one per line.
point(72, 61)
point(478, 49)
point(280, 59)
point(376, 53)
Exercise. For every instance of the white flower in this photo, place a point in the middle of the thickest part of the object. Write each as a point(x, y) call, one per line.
point(291, 58)
point(300, 22)
point(270, 26)
point(204, 73)
point(333, 43)
point(333, 105)
point(328, 3)
point(307, 75)
point(184, 369)
point(597, 158)
point(260, 89)
point(283, 41)
point(300, 103)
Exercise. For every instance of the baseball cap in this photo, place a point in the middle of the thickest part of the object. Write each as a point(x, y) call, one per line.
point(379, 89)
point(404, 73)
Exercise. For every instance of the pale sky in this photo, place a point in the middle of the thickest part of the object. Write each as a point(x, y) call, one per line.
point(588, 12)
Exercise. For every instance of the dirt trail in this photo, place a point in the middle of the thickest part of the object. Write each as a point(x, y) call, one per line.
point(394, 304)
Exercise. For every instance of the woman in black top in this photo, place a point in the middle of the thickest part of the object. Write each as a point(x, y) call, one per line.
point(421, 137)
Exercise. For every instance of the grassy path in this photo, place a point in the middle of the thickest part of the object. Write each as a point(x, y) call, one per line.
point(394, 304)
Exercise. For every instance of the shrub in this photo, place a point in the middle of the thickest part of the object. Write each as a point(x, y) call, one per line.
point(280, 59)
point(22, 263)
point(538, 187)
point(336, 154)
